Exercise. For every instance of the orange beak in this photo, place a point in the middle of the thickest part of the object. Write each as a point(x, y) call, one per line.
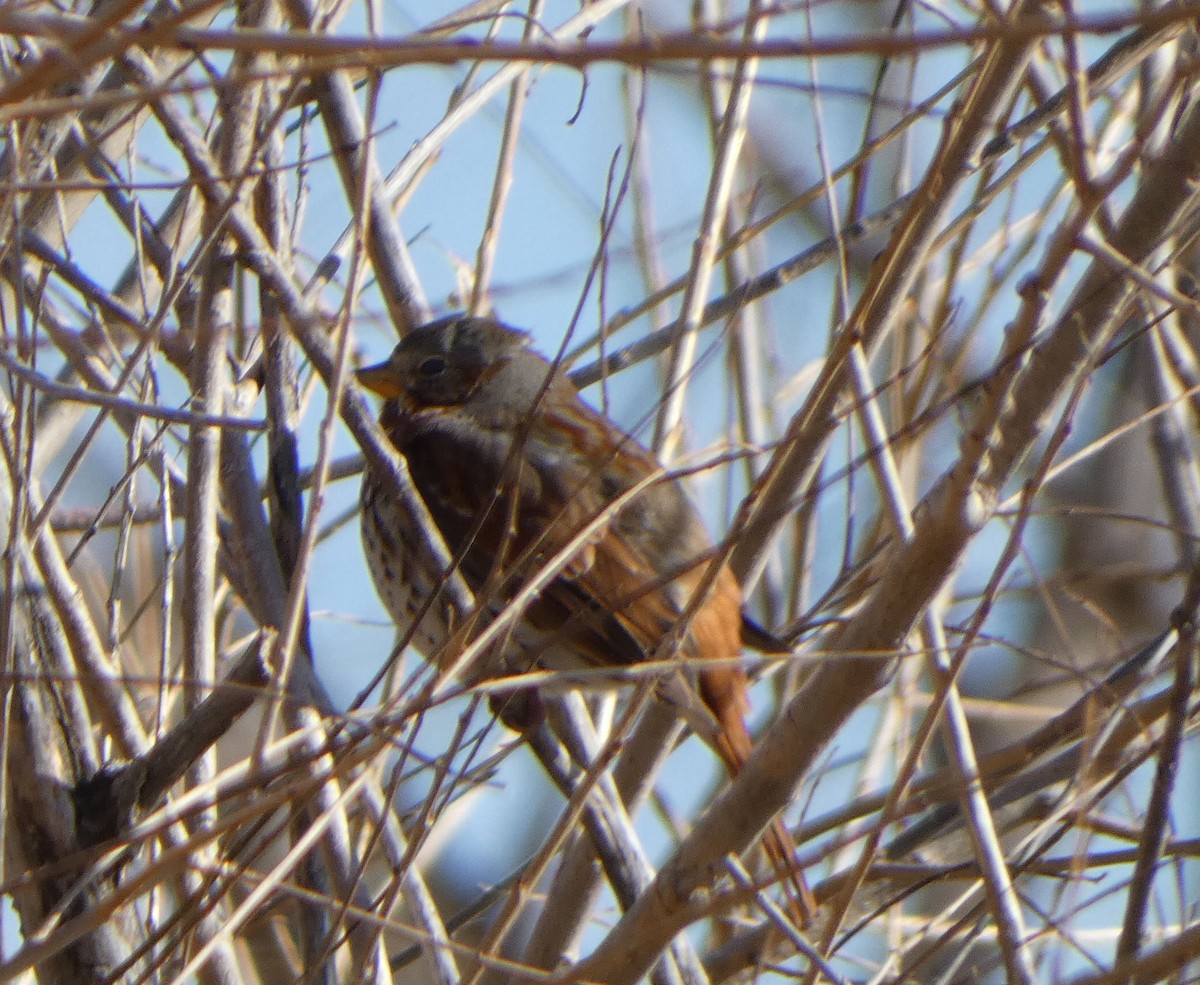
point(380, 379)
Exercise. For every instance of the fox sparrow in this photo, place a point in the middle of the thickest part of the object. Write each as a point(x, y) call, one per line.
point(514, 467)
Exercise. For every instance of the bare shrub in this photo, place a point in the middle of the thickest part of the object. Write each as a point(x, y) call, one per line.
point(907, 296)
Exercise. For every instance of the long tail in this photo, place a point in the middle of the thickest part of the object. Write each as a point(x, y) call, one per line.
point(724, 691)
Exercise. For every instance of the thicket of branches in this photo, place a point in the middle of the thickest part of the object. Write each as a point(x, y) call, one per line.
point(908, 296)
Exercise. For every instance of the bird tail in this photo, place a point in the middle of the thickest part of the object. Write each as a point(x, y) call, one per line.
point(725, 699)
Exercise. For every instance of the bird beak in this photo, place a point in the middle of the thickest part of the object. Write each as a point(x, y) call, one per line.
point(381, 379)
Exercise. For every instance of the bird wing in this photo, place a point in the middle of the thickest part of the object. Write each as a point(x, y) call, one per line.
point(503, 521)
point(506, 515)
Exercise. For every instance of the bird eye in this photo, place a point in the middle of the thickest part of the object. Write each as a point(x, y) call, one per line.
point(431, 366)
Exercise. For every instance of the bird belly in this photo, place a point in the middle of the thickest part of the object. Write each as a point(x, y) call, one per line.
point(405, 584)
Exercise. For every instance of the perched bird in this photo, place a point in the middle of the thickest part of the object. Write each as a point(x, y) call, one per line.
point(513, 467)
